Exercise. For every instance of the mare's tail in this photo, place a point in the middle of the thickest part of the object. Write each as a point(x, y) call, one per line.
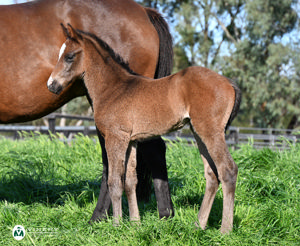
point(165, 60)
point(237, 102)
point(163, 68)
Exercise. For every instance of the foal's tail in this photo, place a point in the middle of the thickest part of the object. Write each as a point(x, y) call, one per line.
point(237, 102)
point(165, 60)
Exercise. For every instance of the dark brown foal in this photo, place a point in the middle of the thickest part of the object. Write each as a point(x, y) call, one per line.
point(129, 108)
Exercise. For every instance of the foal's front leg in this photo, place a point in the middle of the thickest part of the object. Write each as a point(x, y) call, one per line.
point(104, 201)
point(116, 148)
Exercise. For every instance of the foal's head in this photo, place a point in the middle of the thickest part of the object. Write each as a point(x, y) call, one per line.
point(70, 62)
point(73, 53)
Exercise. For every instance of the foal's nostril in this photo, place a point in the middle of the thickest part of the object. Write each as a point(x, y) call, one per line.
point(55, 87)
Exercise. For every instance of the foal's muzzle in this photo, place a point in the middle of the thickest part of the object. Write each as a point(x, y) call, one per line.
point(54, 86)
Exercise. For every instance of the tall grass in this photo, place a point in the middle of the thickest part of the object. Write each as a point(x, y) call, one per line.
point(51, 188)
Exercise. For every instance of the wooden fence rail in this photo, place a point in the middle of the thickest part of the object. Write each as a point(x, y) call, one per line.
point(52, 120)
point(259, 137)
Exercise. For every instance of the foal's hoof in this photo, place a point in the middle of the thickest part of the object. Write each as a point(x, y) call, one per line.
point(199, 226)
point(116, 224)
point(135, 222)
point(226, 230)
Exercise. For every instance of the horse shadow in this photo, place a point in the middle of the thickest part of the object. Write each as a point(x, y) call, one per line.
point(194, 200)
point(28, 190)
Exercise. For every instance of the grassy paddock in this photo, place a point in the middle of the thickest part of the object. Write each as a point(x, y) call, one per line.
point(51, 189)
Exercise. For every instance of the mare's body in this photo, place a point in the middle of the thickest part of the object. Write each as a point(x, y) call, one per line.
point(144, 108)
point(30, 40)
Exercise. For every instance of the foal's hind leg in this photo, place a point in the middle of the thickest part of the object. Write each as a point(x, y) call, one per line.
point(131, 182)
point(212, 184)
point(226, 170)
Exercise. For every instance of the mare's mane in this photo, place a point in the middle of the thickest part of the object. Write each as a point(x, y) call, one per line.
point(116, 57)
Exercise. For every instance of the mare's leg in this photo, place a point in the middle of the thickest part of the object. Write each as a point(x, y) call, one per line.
point(116, 148)
point(131, 182)
point(151, 154)
point(104, 201)
point(226, 169)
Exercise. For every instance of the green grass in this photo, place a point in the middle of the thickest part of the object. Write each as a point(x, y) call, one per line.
point(53, 185)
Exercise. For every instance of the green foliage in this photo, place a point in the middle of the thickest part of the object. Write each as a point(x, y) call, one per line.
point(268, 19)
point(195, 34)
point(254, 42)
point(263, 65)
point(55, 185)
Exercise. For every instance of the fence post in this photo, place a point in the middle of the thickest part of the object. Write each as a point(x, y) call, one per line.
point(294, 140)
point(236, 136)
point(51, 121)
point(86, 131)
point(271, 138)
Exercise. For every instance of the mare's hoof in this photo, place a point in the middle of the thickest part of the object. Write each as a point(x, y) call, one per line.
point(166, 214)
point(97, 219)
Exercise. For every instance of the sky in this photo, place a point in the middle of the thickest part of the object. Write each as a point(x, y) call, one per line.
point(4, 2)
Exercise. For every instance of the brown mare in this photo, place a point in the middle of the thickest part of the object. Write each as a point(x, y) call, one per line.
point(31, 37)
point(142, 108)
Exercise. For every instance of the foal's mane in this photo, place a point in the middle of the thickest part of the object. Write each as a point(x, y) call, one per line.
point(116, 57)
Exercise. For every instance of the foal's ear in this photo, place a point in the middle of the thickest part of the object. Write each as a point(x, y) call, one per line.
point(73, 34)
point(65, 30)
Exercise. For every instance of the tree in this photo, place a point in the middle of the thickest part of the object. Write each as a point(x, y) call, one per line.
point(194, 31)
point(262, 64)
point(198, 34)
point(246, 41)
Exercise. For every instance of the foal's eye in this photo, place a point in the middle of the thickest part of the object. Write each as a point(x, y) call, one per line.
point(70, 57)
